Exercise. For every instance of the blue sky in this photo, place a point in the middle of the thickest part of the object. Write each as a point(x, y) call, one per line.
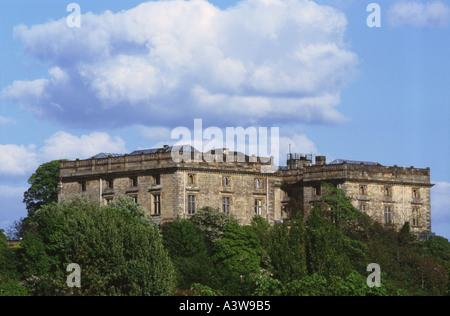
point(133, 71)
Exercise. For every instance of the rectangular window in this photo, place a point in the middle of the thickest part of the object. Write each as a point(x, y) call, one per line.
point(415, 217)
point(363, 208)
point(134, 181)
point(258, 184)
point(316, 190)
point(226, 205)
point(226, 181)
point(415, 193)
point(387, 191)
point(157, 179)
point(258, 207)
point(135, 198)
point(157, 204)
point(191, 178)
point(191, 204)
point(83, 186)
point(387, 215)
point(111, 184)
point(362, 190)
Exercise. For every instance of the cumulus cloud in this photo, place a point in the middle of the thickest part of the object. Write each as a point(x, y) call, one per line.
point(17, 159)
point(418, 14)
point(21, 161)
point(64, 145)
point(162, 63)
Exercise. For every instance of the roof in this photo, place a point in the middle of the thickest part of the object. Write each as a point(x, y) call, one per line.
point(165, 149)
point(354, 162)
point(106, 155)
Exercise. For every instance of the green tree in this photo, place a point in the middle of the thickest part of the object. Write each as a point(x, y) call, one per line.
point(119, 250)
point(238, 251)
point(336, 205)
point(44, 186)
point(181, 239)
point(211, 223)
point(287, 251)
point(9, 278)
point(326, 247)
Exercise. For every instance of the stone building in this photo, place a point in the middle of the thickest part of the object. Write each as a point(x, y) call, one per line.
point(387, 194)
point(168, 186)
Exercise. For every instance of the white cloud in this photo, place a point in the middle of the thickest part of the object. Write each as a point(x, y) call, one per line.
point(17, 160)
point(63, 145)
point(164, 62)
point(418, 14)
point(21, 161)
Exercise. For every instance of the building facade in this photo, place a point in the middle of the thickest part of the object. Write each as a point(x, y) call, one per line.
point(168, 187)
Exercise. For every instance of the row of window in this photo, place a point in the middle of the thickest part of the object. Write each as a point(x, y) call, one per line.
point(387, 190)
point(415, 220)
point(134, 181)
point(192, 204)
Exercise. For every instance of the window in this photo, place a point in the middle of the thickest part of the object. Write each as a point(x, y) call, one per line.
point(135, 198)
point(157, 204)
point(191, 204)
point(415, 193)
point(258, 207)
point(134, 181)
point(111, 184)
point(226, 201)
point(316, 190)
point(258, 183)
point(191, 178)
point(157, 179)
point(83, 186)
point(415, 217)
point(387, 215)
point(387, 191)
point(226, 181)
point(363, 190)
point(363, 208)
point(108, 200)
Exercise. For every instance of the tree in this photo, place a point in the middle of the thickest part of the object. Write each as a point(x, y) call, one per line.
point(119, 250)
point(336, 204)
point(211, 223)
point(44, 187)
point(238, 251)
point(326, 247)
point(287, 251)
point(181, 239)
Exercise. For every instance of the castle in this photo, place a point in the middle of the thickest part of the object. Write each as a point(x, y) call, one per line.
point(246, 186)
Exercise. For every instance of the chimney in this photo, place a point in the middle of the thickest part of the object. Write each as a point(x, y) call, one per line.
point(321, 160)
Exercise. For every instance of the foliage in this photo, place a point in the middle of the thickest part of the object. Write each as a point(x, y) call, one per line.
point(121, 252)
point(44, 187)
point(326, 247)
point(287, 251)
point(211, 223)
point(9, 279)
point(238, 251)
point(181, 239)
point(118, 249)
